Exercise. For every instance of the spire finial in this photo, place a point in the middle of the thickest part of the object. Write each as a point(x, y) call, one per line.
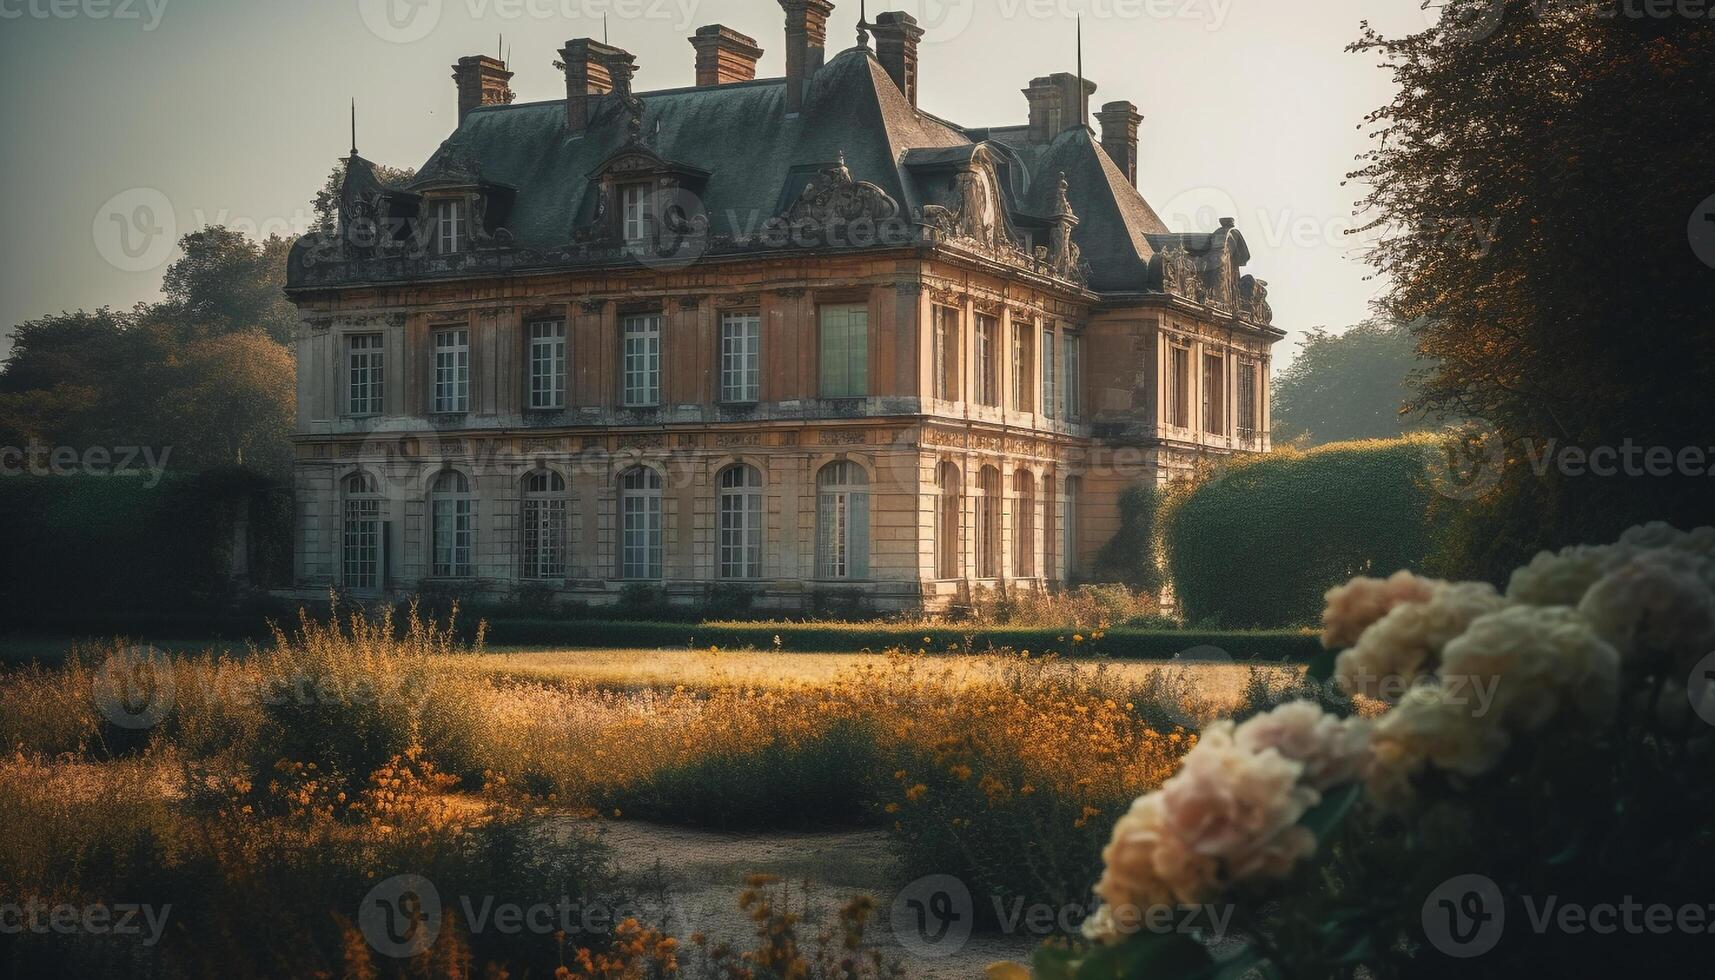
point(863, 23)
point(354, 127)
point(604, 28)
point(1083, 98)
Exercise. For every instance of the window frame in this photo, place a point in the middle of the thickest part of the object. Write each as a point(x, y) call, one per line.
point(740, 523)
point(450, 383)
point(1214, 391)
point(945, 353)
point(1249, 421)
point(1023, 365)
point(1024, 524)
point(741, 355)
point(374, 368)
point(361, 503)
point(453, 557)
point(985, 342)
point(949, 521)
point(636, 213)
point(451, 226)
point(645, 329)
point(1050, 370)
point(1072, 381)
point(842, 523)
point(1178, 384)
point(642, 561)
point(547, 392)
point(544, 519)
point(988, 537)
point(848, 379)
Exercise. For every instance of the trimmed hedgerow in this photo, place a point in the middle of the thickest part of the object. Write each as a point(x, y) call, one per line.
point(1259, 546)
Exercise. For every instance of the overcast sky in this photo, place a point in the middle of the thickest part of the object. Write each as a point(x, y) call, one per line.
point(127, 119)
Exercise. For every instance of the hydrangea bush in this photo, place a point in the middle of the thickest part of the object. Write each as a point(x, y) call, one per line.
point(1528, 792)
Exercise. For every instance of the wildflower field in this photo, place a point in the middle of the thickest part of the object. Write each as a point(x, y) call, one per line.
point(264, 794)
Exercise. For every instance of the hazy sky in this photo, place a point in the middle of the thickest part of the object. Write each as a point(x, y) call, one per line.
point(124, 118)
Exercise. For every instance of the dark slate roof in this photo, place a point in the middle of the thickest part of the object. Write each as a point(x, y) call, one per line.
point(757, 160)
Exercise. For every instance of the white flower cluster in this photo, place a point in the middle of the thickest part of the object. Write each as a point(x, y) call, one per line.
point(1231, 813)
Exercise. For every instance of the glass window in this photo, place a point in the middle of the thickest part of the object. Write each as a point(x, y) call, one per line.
point(637, 217)
point(1069, 525)
point(452, 371)
point(642, 361)
point(450, 227)
point(1250, 414)
point(1179, 386)
point(640, 524)
point(1074, 382)
point(364, 374)
point(452, 526)
point(1022, 382)
point(741, 523)
point(361, 547)
point(842, 522)
point(1049, 396)
point(1024, 525)
point(988, 523)
point(1214, 394)
point(949, 521)
point(845, 351)
point(741, 358)
point(548, 364)
point(946, 354)
point(988, 360)
point(544, 526)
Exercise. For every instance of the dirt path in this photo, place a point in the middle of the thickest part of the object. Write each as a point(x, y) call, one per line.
point(693, 878)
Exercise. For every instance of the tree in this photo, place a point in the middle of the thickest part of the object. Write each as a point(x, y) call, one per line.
point(1345, 386)
point(1533, 179)
point(226, 283)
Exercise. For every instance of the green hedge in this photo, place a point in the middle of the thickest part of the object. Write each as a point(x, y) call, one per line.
point(1132, 644)
point(1259, 545)
point(90, 552)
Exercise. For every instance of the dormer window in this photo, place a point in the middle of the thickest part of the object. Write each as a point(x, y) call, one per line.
point(635, 209)
point(450, 227)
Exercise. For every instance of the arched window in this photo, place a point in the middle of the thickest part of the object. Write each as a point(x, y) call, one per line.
point(1024, 524)
point(452, 526)
point(949, 525)
point(988, 523)
point(1069, 525)
point(640, 524)
point(543, 526)
point(842, 522)
point(360, 551)
point(740, 505)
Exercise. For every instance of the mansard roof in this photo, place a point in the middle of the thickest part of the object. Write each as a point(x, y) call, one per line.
point(751, 161)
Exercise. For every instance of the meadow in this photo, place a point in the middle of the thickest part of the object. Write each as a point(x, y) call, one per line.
point(264, 792)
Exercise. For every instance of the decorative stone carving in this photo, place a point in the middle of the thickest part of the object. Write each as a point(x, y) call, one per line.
point(1064, 256)
point(975, 212)
point(1253, 301)
point(836, 209)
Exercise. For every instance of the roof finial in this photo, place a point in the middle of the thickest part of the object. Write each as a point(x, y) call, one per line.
point(863, 23)
point(1083, 97)
point(354, 127)
point(604, 28)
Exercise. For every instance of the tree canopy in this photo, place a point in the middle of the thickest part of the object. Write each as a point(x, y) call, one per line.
point(1349, 385)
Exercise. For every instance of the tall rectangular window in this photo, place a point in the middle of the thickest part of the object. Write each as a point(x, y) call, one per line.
point(634, 199)
point(1050, 396)
point(1179, 386)
point(1074, 382)
point(642, 381)
point(1023, 384)
point(1250, 406)
point(1214, 394)
point(449, 227)
point(845, 351)
point(946, 354)
point(741, 358)
point(364, 374)
point(452, 371)
point(988, 360)
point(548, 364)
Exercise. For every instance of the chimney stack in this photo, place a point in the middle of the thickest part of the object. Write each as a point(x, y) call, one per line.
point(806, 45)
point(589, 76)
point(896, 37)
point(1056, 105)
point(724, 56)
point(1119, 136)
point(482, 80)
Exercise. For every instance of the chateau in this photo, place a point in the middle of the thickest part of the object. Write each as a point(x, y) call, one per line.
point(795, 340)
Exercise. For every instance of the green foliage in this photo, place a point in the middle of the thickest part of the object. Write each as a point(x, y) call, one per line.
point(1507, 273)
point(1131, 556)
point(1346, 386)
point(1259, 546)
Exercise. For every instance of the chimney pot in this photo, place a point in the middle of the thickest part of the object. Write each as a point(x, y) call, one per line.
point(590, 73)
point(1119, 136)
point(1056, 105)
point(806, 45)
point(896, 38)
point(724, 55)
point(482, 80)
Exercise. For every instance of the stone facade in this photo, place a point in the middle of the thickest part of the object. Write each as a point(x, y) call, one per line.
point(810, 423)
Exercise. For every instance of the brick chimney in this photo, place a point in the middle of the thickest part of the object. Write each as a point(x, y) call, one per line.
point(589, 75)
point(806, 45)
point(896, 37)
point(1119, 136)
point(1056, 105)
point(482, 81)
point(724, 56)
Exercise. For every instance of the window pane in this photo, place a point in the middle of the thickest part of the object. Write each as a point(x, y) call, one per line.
point(364, 375)
point(741, 357)
point(452, 371)
point(642, 366)
point(1049, 396)
point(845, 351)
point(548, 364)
